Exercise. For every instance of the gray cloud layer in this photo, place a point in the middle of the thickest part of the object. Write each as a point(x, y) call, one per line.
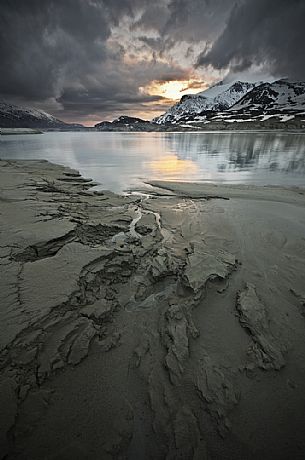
point(262, 32)
point(60, 53)
point(57, 51)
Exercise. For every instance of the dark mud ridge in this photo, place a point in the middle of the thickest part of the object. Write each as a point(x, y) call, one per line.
point(166, 327)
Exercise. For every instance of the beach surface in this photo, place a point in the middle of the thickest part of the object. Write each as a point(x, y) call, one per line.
point(168, 325)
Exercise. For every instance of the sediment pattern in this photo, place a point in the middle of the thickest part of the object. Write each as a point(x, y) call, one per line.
point(146, 323)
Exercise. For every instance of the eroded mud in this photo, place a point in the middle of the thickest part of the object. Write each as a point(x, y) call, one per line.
point(149, 327)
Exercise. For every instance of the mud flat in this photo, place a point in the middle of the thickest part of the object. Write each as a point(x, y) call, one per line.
point(162, 327)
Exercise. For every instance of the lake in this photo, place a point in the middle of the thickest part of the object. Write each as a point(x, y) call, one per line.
point(119, 161)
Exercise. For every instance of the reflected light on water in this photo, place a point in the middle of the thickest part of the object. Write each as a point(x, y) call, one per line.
point(119, 161)
point(171, 167)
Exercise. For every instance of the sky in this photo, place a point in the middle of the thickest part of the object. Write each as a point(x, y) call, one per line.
point(85, 61)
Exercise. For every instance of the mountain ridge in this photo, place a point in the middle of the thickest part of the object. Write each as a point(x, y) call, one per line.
point(124, 123)
point(218, 97)
point(279, 101)
point(269, 105)
point(13, 116)
point(281, 94)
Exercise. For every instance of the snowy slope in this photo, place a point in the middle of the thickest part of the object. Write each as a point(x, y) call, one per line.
point(281, 95)
point(12, 116)
point(217, 98)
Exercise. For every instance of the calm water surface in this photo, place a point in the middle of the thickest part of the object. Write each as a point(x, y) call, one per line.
point(122, 160)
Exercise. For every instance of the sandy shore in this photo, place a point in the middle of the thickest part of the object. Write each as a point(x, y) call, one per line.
point(168, 327)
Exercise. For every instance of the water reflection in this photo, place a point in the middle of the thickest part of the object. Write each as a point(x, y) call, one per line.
point(121, 160)
point(229, 152)
point(170, 167)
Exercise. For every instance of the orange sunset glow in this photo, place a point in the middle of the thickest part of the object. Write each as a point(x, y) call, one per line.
point(175, 89)
point(170, 166)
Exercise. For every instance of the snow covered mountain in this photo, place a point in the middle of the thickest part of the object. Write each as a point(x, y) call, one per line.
point(281, 95)
point(217, 98)
point(240, 103)
point(12, 116)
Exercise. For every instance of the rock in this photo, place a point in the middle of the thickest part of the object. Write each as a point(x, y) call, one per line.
point(175, 338)
point(204, 264)
point(254, 317)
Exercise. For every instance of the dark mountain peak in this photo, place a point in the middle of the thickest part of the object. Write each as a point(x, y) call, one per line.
point(239, 86)
point(280, 95)
point(124, 123)
point(185, 97)
point(125, 119)
point(13, 116)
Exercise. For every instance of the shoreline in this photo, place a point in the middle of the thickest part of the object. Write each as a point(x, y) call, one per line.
point(176, 130)
point(149, 327)
point(14, 131)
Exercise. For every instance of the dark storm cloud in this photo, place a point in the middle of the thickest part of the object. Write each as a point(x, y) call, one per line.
point(186, 20)
point(117, 90)
point(41, 42)
point(56, 51)
point(102, 101)
point(262, 32)
point(79, 58)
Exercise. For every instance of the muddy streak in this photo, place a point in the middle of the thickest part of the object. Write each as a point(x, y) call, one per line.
point(148, 328)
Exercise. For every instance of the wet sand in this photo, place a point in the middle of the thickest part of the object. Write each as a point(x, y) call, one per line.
point(162, 327)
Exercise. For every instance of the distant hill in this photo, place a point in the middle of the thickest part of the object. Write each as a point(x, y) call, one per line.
point(12, 116)
point(124, 123)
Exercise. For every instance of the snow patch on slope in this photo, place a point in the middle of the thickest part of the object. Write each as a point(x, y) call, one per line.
point(217, 98)
point(17, 111)
point(279, 95)
point(12, 116)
